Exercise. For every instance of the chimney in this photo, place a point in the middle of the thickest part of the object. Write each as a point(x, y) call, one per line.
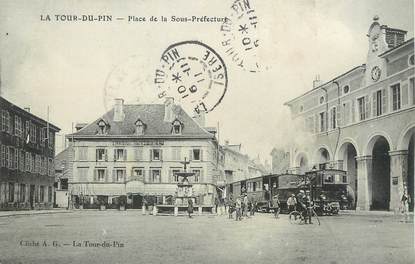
point(200, 119)
point(317, 82)
point(27, 109)
point(79, 126)
point(168, 109)
point(118, 110)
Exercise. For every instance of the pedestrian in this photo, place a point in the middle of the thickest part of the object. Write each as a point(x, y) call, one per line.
point(231, 208)
point(405, 200)
point(238, 205)
point(190, 207)
point(216, 204)
point(276, 206)
point(246, 201)
point(309, 205)
point(291, 203)
point(253, 208)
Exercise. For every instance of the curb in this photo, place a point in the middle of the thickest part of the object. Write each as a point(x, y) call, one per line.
point(37, 213)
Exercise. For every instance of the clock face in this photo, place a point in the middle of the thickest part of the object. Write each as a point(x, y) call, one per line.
point(376, 73)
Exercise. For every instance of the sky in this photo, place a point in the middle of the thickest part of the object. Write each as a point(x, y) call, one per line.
point(68, 65)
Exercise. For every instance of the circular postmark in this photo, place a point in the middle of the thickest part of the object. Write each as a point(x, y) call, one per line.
point(240, 40)
point(193, 74)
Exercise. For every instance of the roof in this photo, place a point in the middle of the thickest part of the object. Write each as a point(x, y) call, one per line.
point(397, 47)
point(326, 83)
point(61, 159)
point(23, 112)
point(152, 115)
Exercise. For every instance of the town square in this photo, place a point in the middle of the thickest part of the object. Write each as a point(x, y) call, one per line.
point(214, 132)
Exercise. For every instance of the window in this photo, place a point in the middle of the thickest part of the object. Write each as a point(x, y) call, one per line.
point(139, 127)
point(18, 131)
point(176, 153)
point(196, 154)
point(322, 121)
point(22, 160)
point(378, 102)
point(5, 121)
point(118, 175)
point(33, 129)
point(155, 175)
point(82, 153)
point(120, 154)
point(64, 184)
point(28, 161)
point(3, 156)
point(42, 194)
point(100, 175)
point(396, 97)
point(42, 136)
point(51, 167)
point(102, 127)
point(156, 154)
point(101, 154)
point(22, 193)
point(197, 177)
point(361, 108)
point(37, 164)
point(322, 99)
point(254, 186)
point(174, 177)
point(11, 192)
point(138, 153)
point(11, 158)
point(138, 173)
point(301, 108)
point(7, 160)
point(333, 121)
point(49, 193)
point(83, 174)
point(51, 139)
point(177, 127)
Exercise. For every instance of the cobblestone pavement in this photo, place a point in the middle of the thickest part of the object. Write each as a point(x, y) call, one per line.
point(129, 237)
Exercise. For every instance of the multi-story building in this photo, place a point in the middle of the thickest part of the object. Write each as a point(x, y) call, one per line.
point(62, 169)
point(280, 160)
point(136, 151)
point(27, 150)
point(363, 121)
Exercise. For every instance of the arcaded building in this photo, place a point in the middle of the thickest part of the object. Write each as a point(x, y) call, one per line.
point(136, 151)
point(363, 121)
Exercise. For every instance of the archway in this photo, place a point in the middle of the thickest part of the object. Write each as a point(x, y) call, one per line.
point(348, 153)
point(380, 179)
point(323, 158)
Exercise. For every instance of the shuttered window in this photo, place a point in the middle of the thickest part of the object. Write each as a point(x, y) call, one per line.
point(396, 97)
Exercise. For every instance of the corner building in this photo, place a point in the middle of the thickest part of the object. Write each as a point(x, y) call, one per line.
point(136, 151)
point(27, 152)
point(363, 121)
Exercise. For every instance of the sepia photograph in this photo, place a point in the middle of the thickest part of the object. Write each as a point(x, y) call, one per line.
point(221, 131)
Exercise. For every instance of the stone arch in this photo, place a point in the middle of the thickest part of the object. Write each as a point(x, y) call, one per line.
point(405, 137)
point(317, 157)
point(343, 144)
point(370, 143)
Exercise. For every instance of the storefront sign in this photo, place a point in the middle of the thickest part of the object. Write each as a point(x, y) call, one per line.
point(139, 143)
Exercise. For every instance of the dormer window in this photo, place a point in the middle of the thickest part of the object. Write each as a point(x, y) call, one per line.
point(139, 127)
point(102, 127)
point(177, 127)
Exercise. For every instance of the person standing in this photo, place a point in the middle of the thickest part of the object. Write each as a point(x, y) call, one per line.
point(291, 203)
point(238, 205)
point(405, 200)
point(246, 202)
point(190, 207)
point(309, 207)
point(276, 206)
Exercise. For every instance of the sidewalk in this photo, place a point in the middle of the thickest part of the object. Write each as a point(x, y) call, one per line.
point(370, 213)
point(34, 212)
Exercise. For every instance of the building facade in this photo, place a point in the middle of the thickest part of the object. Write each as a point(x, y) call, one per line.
point(27, 150)
point(62, 169)
point(136, 151)
point(280, 160)
point(363, 121)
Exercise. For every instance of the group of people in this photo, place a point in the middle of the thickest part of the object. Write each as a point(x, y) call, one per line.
point(241, 206)
point(302, 203)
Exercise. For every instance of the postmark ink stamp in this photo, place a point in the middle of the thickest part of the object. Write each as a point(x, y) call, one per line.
point(240, 36)
point(193, 74)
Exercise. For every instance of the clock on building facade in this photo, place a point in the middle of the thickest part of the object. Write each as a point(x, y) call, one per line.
point(376, 73)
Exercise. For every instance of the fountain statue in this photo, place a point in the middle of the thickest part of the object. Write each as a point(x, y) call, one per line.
point(184, 188)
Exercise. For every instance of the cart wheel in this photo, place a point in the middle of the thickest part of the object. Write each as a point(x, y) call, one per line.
point(295, 217)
